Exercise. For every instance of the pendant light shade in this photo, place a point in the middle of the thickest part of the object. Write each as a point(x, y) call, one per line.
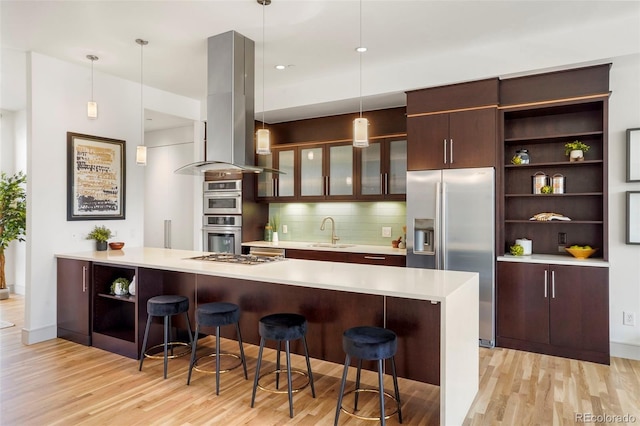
point(92, 106)
point(263, 136)
point(141, 150)
point(360, 124)
point(263, 142)
point(360, 132)
point(141, 155)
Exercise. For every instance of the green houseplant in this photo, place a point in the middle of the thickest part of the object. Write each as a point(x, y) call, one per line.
point(13, 218)
point(101, 234)
point(575, 150)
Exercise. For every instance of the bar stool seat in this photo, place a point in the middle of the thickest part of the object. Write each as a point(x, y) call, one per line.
point(217, 314)
point(369, 343)
point(283, 327)
point(165, 306)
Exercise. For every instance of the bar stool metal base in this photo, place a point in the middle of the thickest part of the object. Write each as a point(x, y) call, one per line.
point(171, 346)
point(376, 391)
point(284, 371)
point(213, 355)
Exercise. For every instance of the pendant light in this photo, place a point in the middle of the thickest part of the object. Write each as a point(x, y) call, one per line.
point(263, 142)
point(92, 106)
point(360, 124)
point(141, 150)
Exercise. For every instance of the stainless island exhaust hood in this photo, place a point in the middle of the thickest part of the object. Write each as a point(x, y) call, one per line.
point(230, 107)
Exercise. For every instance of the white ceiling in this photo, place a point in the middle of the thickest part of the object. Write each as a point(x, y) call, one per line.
point(412, 44)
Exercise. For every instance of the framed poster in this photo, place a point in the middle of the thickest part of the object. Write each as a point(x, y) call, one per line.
point(633, 217)
point(633, 155)
point(95, 177)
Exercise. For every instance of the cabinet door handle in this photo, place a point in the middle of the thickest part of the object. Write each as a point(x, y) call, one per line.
point(545, 284)
point(553, 284)
point(451, 151)
point(444, 144)
point(326, 185)
point(382, 183)
point(375, 257)
point(386, 183)
point(84, 279)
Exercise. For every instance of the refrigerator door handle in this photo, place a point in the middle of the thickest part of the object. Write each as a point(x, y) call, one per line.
point(437, 234)
point(443, 226)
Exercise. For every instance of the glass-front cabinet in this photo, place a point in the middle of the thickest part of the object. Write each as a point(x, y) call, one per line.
point(383, 170)
point(277, 185)
point(326, 171)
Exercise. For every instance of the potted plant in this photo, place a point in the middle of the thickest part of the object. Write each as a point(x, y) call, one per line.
point(13, 218)
point(575, 150)
point(120, 287)
point(101, 234)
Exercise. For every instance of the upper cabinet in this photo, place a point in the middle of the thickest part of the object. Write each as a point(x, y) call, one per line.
point(452, 126)
point(321, 163)
point(326, 172)
point(382, 170)
point(278, 186)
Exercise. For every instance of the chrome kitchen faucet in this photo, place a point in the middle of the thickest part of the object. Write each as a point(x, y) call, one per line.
point(334, 237)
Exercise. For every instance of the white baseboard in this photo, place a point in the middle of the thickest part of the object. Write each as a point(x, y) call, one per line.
point(29, 337)
point(625, 350)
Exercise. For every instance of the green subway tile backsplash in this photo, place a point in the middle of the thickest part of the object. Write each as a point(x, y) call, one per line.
point(356, 223)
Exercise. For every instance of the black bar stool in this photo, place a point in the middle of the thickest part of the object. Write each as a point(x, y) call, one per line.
point(216, 315)
point(165, 306)
point(283, 327)
point(370, 343)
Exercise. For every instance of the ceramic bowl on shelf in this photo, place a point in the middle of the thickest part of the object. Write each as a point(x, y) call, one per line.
point(116, 245)
point(581, 253)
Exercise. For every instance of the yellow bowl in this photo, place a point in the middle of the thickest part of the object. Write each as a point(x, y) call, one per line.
point(581, 253)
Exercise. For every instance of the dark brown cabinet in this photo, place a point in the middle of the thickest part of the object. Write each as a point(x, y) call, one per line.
point(337, 256)
point(459, 139)
point(74, 300)
point(278, 186)
point(559, 310)
point(381, 170)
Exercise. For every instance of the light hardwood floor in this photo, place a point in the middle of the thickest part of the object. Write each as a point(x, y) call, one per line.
point(62, 383)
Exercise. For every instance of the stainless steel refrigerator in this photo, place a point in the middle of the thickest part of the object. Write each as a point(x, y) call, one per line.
point(451, 226)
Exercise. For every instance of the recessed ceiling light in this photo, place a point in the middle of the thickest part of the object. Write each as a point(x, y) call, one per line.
point(361, 49)
point(280, 67)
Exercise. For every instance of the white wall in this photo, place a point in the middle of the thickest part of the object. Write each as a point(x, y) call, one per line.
point(624, 276)
point(56, 104)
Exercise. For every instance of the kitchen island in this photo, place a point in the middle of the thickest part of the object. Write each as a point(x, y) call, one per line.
point(434, 313)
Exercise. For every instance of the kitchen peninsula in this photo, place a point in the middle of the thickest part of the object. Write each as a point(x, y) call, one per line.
point(434, 313)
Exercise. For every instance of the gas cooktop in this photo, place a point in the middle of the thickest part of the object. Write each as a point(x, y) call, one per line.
point(242, 259)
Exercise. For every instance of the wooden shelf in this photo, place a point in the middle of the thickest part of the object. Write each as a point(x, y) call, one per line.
point(553, 164)
point(572, 194)
point(550, 138)
point(128, 298)
point(555, 222)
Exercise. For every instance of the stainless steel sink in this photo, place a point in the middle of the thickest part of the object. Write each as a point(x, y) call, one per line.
point(329, 245)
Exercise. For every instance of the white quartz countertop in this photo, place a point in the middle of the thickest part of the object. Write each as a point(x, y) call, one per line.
point(350, 248)
point(412, 283)
point(554, 260)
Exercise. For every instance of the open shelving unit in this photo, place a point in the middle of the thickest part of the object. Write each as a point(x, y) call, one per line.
point(114, 317)
point(543, 129)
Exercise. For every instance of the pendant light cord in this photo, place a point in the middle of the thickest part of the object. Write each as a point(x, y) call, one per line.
point(360, 58)
point(264, 5)
point(92, 80)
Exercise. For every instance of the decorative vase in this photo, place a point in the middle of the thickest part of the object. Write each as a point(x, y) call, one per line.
point(274, 237)
point(576, 155)
point(101, 245)
point(132, 286)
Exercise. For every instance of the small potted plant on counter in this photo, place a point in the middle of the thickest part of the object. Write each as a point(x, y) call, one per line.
point(575, 150)
point(101, 234)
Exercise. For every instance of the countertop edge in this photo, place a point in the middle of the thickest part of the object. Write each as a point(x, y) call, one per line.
point(555, 260)
point(308, 245)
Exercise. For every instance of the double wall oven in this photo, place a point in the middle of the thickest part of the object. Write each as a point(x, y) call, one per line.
point(222, 219)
